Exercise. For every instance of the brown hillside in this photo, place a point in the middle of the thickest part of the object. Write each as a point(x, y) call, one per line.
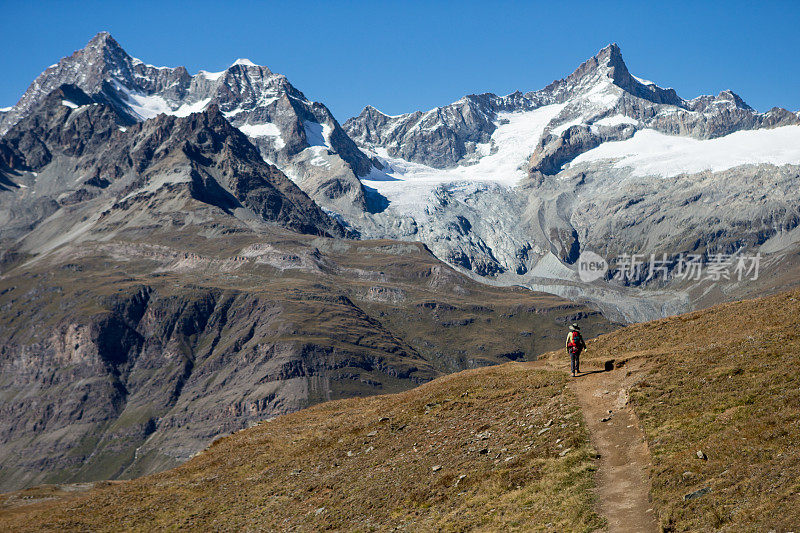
point(496, 448)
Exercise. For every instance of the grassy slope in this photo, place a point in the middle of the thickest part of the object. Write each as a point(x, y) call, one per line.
point(725, 381)
point(463, 451)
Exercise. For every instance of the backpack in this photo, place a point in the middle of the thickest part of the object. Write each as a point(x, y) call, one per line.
point(575, 341)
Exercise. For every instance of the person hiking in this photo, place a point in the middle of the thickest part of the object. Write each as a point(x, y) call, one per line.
point(575, 346)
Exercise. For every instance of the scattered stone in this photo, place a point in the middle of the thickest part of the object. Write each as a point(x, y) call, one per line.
point(549, 423)
point(702, 455)
point(542, 431)
point(697, 494)
point(320, 510)
point(372, 434)
point(349, 453)
point(369, 449)
point(605, 419)
point(383, 419)
point(565, 452)
point(436, 468)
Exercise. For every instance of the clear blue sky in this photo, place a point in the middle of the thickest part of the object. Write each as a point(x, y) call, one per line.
point(403, 56)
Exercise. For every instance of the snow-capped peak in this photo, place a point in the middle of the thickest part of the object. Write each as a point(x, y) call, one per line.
point(244, 61)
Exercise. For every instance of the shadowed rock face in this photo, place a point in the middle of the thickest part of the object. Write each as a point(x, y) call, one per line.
point(150, 381)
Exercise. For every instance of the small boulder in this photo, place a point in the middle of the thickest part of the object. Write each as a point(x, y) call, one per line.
point(697, 494)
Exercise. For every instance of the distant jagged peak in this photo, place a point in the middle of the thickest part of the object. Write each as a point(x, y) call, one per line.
point(601, 74)
point(103, 41)
point(244, 61)
point(105, 54)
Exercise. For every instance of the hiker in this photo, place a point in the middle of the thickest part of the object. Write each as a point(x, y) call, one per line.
point(575, 346)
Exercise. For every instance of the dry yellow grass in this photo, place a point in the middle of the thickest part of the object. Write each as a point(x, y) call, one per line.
point(501, 448)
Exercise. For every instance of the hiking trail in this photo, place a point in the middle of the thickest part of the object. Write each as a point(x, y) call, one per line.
point(623, 485)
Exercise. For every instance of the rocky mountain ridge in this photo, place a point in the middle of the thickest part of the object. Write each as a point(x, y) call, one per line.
point(598, 89)
point(73, 151)
point(301, 136)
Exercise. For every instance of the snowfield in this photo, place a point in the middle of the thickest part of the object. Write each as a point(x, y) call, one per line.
point(405, 184)
point(616, 120)
point(267, 129)
point(150, 106)
point(651, 153)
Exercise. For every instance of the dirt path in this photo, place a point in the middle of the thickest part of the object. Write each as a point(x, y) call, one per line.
point(622, 484)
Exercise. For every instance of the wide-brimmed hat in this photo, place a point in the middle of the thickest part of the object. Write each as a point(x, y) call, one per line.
point(574, 327)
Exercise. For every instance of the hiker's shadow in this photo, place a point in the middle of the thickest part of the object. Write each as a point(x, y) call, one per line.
point(581, 374)
point(608, 366)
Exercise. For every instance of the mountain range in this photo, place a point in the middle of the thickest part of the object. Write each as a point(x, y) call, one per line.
point(183, 255)
point(163, 282)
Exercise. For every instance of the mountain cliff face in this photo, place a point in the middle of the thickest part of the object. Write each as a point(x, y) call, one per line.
point(301, 136)
point(132, 349)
